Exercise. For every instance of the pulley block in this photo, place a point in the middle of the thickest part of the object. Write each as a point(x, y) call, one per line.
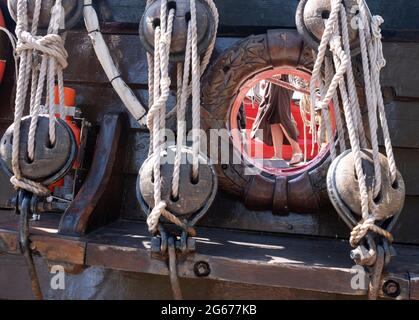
point(311, 19)
point(343, 186)
point(50, 162)
point(73, 12)
point(205, 26)
point(194, 197)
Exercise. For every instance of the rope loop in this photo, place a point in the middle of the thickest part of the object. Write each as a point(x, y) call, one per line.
point(159, 90)
point(338, 79)
point(51, 45)
point(32, 76)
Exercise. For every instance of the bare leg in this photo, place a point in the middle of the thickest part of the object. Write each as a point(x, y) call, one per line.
point(278, 139)
point(294, 144)
point(297, 153)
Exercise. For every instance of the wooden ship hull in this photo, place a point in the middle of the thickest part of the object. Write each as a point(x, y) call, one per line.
point(250, 251)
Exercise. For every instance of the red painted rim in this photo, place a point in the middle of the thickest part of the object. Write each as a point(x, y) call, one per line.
point(2, 62)
point(233, 125)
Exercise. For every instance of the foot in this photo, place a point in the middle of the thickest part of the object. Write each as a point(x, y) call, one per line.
point(296, 159)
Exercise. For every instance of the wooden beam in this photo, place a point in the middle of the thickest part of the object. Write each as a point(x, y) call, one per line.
point(314, 264)
point(250, 16)
point(99, 199)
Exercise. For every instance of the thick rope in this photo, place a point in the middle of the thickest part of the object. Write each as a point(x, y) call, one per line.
point(159, 91)
point(343, 80)
point(158, 109)
point(181, 111)
point(54, 56)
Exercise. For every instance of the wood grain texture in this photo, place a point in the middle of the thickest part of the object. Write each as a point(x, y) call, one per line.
point(403, 123)
point(267, 13)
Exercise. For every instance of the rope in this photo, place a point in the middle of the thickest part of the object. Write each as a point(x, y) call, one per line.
point(339, 77)
point(159, 92)
point(54, 60)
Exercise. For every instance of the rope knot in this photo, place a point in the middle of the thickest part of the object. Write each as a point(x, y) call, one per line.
point(360, 231)
point(31, 186)
point(376, 23)
point(50, 44)
point(154, 216)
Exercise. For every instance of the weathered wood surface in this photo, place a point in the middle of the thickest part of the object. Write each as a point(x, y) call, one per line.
point(130, 57)
point(226, 212)
point(247, 16)
point(105, 284)
point(248, 258)
point(99, 199)
point(96, 97)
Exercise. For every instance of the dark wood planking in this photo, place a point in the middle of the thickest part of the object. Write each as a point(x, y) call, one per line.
point(99, 283)
point(406, 230)
point(243, 257)
point(401, 71)
point(227, 212)
point(129, 55)
point(241, 16)
point(95, 105)
point(403, 123)
point(99, 199)
point(407, 160)
point(258, 259)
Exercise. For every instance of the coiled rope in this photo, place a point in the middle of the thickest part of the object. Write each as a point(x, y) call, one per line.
point(339, 76)
point(159, 89)
point(54, 60)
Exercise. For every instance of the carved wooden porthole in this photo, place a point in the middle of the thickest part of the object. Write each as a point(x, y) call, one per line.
point(226, 86)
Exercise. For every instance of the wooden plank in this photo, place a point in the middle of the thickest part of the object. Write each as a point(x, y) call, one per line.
point(320, 265)
point(44, 238)
point(414, 286)
point(59, 249)
point(407, 160)
point(129, 55)
point(403, 123)
point(227, 212)
point(127, 51)
point(238, 14)
point(401, 69)
point(405, 230)
point(96, 283)
point(309, 264)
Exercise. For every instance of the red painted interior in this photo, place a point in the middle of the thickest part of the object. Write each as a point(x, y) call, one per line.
point(268, 151)
point(2, 62)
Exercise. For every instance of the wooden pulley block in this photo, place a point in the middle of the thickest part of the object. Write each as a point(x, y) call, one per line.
point(194, 198)
point(390, 200)
point(73, 11)
point(205, 27)
point(311, 19)
point(51, 162)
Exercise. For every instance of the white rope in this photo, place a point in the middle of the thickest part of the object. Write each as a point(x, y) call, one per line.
point(336, 37)
point(157, 111)
point(159, 84)
point(54, 59)
point(196, 95)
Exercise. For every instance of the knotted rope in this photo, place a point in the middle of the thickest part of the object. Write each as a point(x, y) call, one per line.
point(339, 76)
point(54, 60)
point(159, 89)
